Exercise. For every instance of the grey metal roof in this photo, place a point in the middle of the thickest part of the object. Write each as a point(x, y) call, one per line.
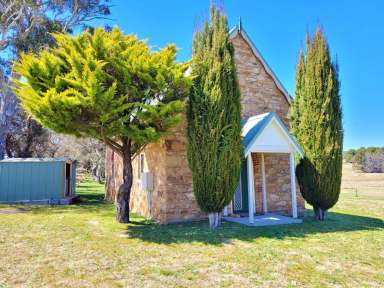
point(253, 126)
point(58, 159)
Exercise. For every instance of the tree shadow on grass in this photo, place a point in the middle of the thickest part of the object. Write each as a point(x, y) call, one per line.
point(199, 232)
point(104, 209)
point(90, 200)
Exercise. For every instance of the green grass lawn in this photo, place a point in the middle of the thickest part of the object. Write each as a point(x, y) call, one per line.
point(81, 245)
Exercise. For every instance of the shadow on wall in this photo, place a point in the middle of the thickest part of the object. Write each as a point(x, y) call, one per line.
point(199, 232)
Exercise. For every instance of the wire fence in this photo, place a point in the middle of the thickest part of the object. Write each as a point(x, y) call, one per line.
point(366, 192)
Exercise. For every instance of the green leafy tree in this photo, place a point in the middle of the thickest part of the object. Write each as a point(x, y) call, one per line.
point(317, 125)
point(214, 131)
point(107, 86)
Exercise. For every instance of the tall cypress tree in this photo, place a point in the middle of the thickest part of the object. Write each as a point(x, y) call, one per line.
point(214, 131)
point(316, 121)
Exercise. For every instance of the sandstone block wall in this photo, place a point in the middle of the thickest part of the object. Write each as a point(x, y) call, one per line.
point(180, 203)
point(256, 159)
point(278, 184)
point(258, 90)
point(146, 203)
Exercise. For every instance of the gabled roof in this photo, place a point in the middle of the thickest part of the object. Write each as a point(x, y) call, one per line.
point(238, 30)
point(254, 126)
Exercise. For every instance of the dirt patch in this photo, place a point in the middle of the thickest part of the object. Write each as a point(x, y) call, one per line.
point(353, 178)
point(13, 210)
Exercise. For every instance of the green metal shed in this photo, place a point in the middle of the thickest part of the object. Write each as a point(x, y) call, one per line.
point(37, 180)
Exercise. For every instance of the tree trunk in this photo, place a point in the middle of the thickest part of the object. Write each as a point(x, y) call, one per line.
point(2, 146)
point(124, 192)
point(8, 103)
point(3, 135)
point(214, 220)
point(96, 173)
point(319, 213)
point(4, 125)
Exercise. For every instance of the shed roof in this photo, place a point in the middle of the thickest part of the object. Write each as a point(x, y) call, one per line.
point(57, 159)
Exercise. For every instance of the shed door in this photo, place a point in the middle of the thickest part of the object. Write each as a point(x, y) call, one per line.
point(240, 201)
point(67, 179)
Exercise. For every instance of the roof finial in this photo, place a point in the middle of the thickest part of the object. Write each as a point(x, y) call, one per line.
point(239, 24)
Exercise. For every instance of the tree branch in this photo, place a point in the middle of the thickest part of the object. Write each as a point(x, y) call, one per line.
point(138, 151)
point(114, 146)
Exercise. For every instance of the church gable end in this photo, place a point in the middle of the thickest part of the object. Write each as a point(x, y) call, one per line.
point(260, 91)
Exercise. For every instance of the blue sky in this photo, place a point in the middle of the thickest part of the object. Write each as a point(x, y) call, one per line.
point(354, 29)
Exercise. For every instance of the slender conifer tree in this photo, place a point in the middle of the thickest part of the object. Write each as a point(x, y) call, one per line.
point(214, 131)
point(316, 121)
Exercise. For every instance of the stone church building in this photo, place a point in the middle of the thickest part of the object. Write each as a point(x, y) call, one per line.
point(162, 186)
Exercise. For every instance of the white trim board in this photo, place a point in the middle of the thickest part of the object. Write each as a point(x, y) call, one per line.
point(271, 137)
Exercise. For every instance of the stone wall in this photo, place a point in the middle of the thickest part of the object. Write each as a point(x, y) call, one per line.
point(256, 159)
point(258, 90)
point(278, 180)
point(181, 204)
point(113, 174)
point(150, 204)
point(278, 184)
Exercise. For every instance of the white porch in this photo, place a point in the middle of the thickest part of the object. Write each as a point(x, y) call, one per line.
point(266, 133)
point(264, 220)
